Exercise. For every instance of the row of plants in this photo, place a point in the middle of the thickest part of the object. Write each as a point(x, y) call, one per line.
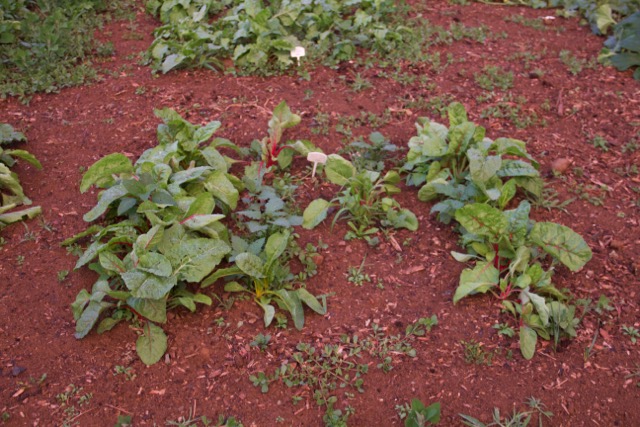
point(259, 36)
point(45, 45)
point(165, 237)
point(475, 180)
point(165, 233)
point(12, 197)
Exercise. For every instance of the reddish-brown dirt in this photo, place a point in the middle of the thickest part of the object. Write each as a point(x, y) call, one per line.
point(207, 369)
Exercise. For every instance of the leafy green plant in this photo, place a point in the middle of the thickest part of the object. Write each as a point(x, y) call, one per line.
point(463, 166)
point(363, 199)
point(509, 248)
point(161, 233)
point(371, 156)
point(259, 36)
point(622, 49)
point(269, 280)
point(418, 415)
point(11, 192)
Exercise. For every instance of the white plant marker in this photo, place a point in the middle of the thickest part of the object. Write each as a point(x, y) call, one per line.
point(316, 157)
point(298, 52)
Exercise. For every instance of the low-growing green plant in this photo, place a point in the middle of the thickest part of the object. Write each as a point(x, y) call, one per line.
point(373, 155)
point(11, 192)
point(46, 45)
point(261, 341)
point(268, 279)
point(357, 276)
point(418, 415)
point(631, 332)
point(363, 199)
point(333, 367)
point(493, 77)
point(518, 419)
point(475, 353)
point(463, 166)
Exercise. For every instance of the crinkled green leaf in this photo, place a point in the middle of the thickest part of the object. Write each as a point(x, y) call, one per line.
point(196, 222)
point(339, 170)
point(563, 243)
point(480, 279)
point(457, 114)
point(250, 264)
point(89, 317)
point(155, 263)
point(147, 285)
point(482, 167)
point(195, 259)
point(101, 172)
point(109, 261)
point(222, 189)
point(482, 220)
point(152, 309)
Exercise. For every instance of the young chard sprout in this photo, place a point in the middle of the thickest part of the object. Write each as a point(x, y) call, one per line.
point(297, 53)
point(316, 157)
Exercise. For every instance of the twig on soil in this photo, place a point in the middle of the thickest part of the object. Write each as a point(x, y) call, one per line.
point(119, 409)
point(81, 414)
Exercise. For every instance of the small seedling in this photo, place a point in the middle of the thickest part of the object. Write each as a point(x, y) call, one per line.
point(418, 415)
point(128, 372)
point(62, 275)
point(357, 276)
point(504, 329)
point(261, 341)
point(475, 353)
point(632, 332)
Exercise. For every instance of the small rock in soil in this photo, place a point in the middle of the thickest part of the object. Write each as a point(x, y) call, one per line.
point(560, 165)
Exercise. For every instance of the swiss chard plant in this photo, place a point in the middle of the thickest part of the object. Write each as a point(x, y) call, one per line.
point(622, 49)
point(460, 165)
point(12, 197)
point(365, 200)
point(262, 272)
point(259, 36)
point(514, 258)
point(163, 230)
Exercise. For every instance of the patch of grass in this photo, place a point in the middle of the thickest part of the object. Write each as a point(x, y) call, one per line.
point(49, 44)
